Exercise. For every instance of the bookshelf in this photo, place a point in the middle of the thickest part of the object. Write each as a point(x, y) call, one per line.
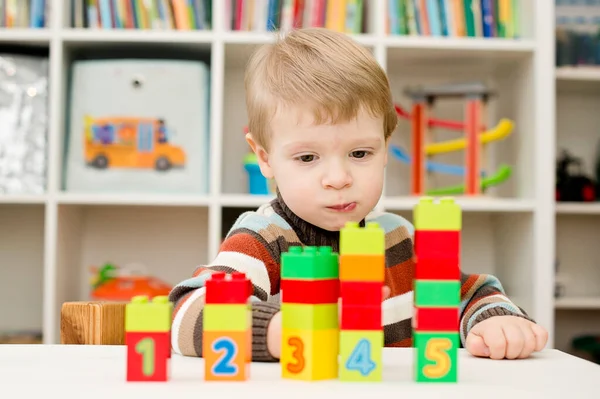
point(509, 233)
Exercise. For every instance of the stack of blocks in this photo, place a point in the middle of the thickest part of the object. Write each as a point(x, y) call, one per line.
point(437, 289)
point(148, 338)
point(309, 307)
point(362, 269)
point(227, 327)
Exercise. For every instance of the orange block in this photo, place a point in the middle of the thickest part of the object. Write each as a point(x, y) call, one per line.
point(362, 267)
point(227, 355)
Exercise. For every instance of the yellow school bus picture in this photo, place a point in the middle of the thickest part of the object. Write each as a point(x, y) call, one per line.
point(130, 142)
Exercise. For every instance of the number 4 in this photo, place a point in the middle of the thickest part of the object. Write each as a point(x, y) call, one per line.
point(360, 359)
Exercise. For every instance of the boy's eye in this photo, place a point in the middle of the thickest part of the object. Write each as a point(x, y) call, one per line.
point(306, 158)
point(359, 154)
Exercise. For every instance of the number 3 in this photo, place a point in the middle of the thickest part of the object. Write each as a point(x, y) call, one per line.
point(223, 365)
point(436, 352)
point(298, 354)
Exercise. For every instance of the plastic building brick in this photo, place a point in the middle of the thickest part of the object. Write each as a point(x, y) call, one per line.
point(436, 356)
point(361, 355)
point(310, 320)
point(309, 291)
point(368, 240)
point(437, 289)
point(356, 267)
point(360, 292)
point(309, 263)
point(227, 328)
point(148, 338)
point(362, 317)
point(228, 288)
point(445, 215)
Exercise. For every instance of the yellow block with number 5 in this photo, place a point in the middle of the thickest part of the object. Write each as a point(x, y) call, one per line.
point(436, 356)
point(360, 355)
point(309, 354)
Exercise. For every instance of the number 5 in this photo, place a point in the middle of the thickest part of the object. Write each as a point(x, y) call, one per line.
point(436, 351)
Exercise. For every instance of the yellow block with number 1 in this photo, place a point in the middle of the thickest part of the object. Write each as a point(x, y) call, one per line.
point(309, 354)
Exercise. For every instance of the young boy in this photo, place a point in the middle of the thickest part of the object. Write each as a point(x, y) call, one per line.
point(320, 118)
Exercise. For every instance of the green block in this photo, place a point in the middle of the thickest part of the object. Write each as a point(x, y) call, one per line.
point(301, 316)
point(442, 215)
point(437, 293)
point(436, 356)
point(361, 355)
point(226, 317)
point(368, 240)
point(309, 263)
point(148, 316)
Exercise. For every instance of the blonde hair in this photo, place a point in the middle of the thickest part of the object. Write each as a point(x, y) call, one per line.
point(321, 69)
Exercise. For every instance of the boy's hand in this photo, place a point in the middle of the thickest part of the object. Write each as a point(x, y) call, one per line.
point(508, 337)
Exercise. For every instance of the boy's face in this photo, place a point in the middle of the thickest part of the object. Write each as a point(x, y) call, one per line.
point(327, 174)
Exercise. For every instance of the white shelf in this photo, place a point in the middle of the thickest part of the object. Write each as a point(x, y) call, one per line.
point(579, 80)
point(506, 233)
point(577, 208)
point(577, 303)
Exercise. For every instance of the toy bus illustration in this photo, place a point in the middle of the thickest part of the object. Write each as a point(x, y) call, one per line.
point(130, 142)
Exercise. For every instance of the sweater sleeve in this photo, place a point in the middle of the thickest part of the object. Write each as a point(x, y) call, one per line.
point(243, 251)
point(482, 297)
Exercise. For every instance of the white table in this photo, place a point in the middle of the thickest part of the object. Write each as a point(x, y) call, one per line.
point(85, 372)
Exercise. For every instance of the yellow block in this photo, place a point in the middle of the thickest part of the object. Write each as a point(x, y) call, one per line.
point(309, 355)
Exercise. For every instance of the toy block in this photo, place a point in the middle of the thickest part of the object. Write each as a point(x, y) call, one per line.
point(436, 319)
point(437, 293)
point(436, 356)
point(309, 317)
point(148, 338)
point(147, 356)
point(226, 317)
point(227, 355)
point(361, 317)
point(356, 240)
point(437, 244)
point(309, 355)
point(445, 215)
point(309, 291)
point(361, 292)
point(92, 323)
point(309, 263)
point(357, 267)
point(437, 269)
point(228, 288)
point(361, 356)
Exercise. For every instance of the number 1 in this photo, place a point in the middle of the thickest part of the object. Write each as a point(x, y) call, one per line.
point(145, 348)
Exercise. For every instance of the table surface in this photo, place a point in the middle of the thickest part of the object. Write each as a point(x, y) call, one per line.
point(76, 371)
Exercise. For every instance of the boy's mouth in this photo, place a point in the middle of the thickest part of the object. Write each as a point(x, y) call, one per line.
point(348, 207)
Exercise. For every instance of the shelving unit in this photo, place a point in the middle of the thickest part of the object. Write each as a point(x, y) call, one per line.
point(509, 233)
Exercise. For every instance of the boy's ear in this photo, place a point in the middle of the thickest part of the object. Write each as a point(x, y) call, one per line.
point(261, 155)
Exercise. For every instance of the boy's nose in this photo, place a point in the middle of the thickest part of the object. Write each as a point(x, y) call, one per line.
point(337, 177)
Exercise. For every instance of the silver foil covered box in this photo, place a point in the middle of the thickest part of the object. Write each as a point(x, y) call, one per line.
point(23, 123)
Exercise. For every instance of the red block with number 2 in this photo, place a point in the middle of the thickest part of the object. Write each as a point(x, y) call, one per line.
point(148, 355)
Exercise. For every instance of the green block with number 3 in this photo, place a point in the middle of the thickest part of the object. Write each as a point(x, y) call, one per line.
point(436, 356)
point(360, 355)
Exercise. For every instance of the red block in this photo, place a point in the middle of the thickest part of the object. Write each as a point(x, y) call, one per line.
point(148, 356)
point(437, 244)
point(361, 292)
point(232, 288)
point(361, 317)
point(309, 291)
point(427, 268)
point(436, 319)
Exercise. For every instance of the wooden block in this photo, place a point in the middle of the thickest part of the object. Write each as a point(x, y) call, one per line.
point(361, 356)
point(227, 355)
point(365, 267)
point(148, 355)
point(436, 356)
point(92, 323)
point(309, 355)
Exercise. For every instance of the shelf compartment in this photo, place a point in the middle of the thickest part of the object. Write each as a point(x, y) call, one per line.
point(27, 37)
point(581, 79)
point(92, 37)
point(578, 208)
point(591, 302)
point(482, 204)
point(169, 200)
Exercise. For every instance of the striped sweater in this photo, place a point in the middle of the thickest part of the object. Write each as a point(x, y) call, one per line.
point(254, 246)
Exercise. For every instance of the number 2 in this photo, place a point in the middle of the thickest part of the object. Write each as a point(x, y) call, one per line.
point(360, 358)
point(223, 365)
point(298, 354)
point(436, 351)
point(145, 348)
